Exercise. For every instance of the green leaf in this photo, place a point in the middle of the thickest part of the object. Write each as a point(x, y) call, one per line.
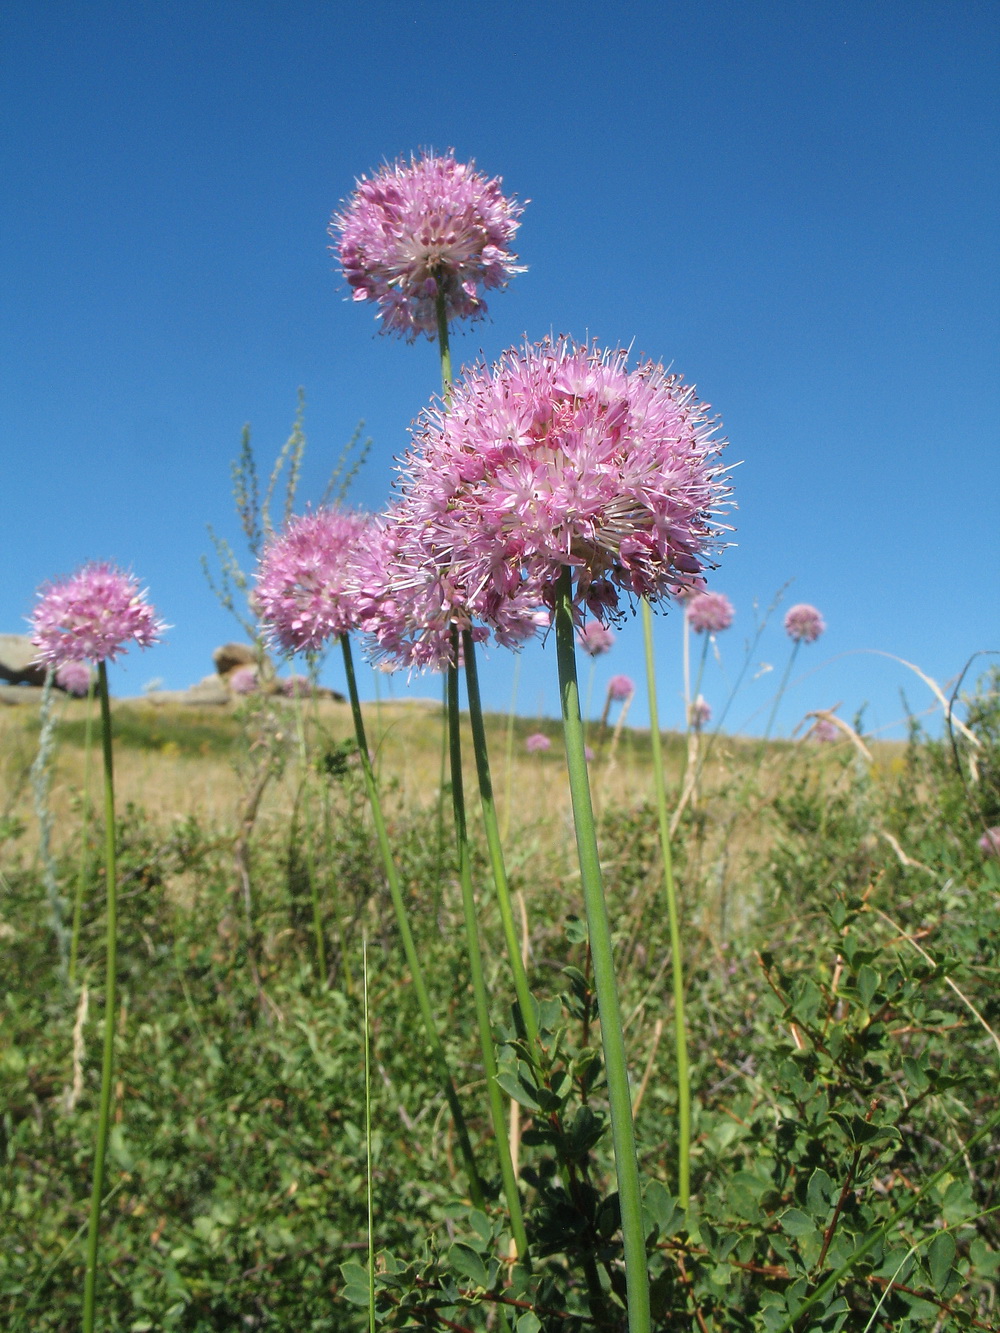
point(576, 932)
point(529, 1322)
point(797, 1223)
point(464, 1260)
point(868, 983)
point(516, 1088)
point(355, 1277)
point(940, 1257)
point(819, 1193)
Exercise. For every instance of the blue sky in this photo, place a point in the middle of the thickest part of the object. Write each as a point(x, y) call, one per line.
point(795, 205)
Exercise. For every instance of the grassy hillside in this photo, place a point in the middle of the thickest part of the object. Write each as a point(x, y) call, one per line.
point(840, 931)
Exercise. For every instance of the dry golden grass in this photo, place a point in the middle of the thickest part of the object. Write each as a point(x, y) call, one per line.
point(175, 761)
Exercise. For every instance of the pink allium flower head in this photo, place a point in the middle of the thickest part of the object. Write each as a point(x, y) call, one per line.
point(93, 616)
point(408, 602)
point(295, 687)
point(302, 578)
point(700, 713)
point(243, 680)
point(803, 623)
point(422, 224)
point(824, 731)
point(710, 612)
point(588, 754)
point(989, 843)
point(74, 678)
point(558, 456)
point(683, 592)
point(537, 742)
point(621, 688)
point(595, 639)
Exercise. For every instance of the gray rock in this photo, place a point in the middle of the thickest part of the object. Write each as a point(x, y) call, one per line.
point(230, 656)
point(17, 661)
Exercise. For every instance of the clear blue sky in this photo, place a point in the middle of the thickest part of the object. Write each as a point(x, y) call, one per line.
point(795, 205)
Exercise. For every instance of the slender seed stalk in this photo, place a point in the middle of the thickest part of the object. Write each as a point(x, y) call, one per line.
point(406, 934)
point(107, 1064)
point(494, 845)
point(476, 971)
point(677, 960)
point(612, 1037)
point(81, 872)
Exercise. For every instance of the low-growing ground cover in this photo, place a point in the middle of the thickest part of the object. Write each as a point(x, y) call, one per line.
point(842, 960)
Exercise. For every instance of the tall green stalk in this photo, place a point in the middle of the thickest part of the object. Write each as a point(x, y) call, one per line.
point(602, 955)
point(677, 959)
point(476, 970)
point(406, 934)
point(107, 1064)
point(321, 966)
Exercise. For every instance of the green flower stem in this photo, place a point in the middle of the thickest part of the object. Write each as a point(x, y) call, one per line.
point(369, 1197)
point(612, 1037)
point(677, 959)
point(310, 855)
point(406, 934)
point(81, 872)
point(508, 774)
point(493, 842)
point(444, 346)
point(476, 971)
point(107, 1065)
point(774, 707)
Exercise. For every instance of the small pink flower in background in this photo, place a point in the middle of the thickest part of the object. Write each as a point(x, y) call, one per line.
point(803, 623)
point(302, 577)
point(74, 678)
point(824, 730)
point(243, 680)
point(295, 687)
point(621, 688)
point(709, 612)
point(422, 224)
point(989, 843)
point(559, 456)
point(588, 754)
point(537, 742)
point(700, 713)
point(595, 639)
point(93, 616)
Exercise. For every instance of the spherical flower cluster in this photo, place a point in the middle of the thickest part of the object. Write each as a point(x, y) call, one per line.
point(700, 713)
point(295, 687)
point(989, 843)
point(93, 616)
point(803, 623)
point(621, 688)
point(824, 731)
point(595, 638)
point(709, 612)
point(408, 605)
point(301, 581)
point(419, 227)
point(559, 456)
point(243, 680)
point(537, 742)
point(74, 678)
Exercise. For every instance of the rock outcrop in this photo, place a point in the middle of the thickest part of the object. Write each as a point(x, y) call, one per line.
point(17, 661)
